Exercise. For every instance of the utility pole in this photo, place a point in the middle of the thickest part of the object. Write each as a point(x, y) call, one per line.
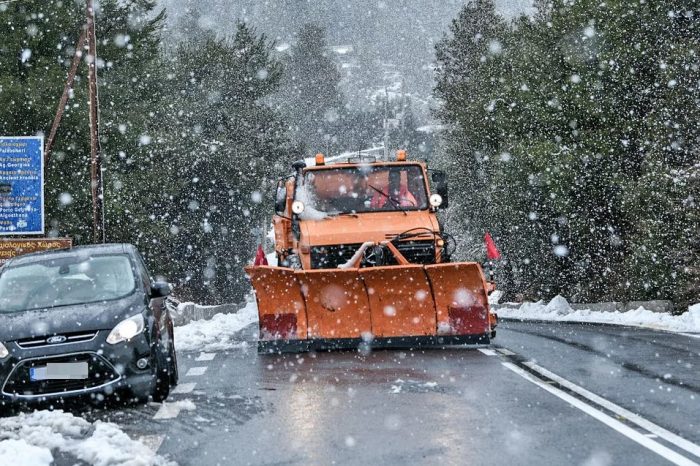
point(64, 97)
point(98, 217)
point(386, 125)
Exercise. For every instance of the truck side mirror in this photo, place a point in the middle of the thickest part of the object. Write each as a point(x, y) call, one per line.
point(439, 179)
point(280, 198)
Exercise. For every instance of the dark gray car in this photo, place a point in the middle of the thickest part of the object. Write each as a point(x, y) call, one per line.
point(85, 321)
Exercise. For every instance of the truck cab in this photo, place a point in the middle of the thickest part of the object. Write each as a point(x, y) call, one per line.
point(326, 211)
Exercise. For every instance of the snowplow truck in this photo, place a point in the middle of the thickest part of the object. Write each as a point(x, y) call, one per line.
point(362, 261)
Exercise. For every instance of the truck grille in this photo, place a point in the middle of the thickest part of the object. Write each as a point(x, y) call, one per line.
point(417, 252)
point(330, 257)
point(100, 372)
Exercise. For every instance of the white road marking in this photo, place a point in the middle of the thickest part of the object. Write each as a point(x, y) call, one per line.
point(670, 437)
point(194, 371)
point(691, 335)
point(205, 356)
point(183, 388)
point(167, 411)
point(623, 429)
point(153, 442)
point(487, 352)
point(505, 352)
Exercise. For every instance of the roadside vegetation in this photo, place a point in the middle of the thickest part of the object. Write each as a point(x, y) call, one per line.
point(570, 135)
point(573, 138)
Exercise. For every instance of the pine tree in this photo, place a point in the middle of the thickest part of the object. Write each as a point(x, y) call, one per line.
point(310, 95)
point(567, 139)
point(468, 62)
point(223, 147)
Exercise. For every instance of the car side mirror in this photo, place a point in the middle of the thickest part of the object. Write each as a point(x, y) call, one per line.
point(160, 289)
point(439, 179)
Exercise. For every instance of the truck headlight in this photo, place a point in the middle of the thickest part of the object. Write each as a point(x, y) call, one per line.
point(3, 351)
point(298, 207)
point(126, 329)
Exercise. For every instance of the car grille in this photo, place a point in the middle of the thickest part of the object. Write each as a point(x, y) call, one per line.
point(76, 337)
point(100, 372)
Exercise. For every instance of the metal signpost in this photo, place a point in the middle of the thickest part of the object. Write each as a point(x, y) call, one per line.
point(22, 185)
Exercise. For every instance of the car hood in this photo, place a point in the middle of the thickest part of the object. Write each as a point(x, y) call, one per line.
point(65, 319)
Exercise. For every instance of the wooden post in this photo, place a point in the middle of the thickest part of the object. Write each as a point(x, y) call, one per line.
point(98, 218)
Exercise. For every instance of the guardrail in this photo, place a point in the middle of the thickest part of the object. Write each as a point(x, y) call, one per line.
point(661, 306)
point(184, 313)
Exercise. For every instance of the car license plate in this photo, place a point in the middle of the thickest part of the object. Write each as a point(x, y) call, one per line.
point(59, 371)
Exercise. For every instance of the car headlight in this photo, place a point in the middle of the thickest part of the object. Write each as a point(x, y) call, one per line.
point(126, 329)
point(3, 351)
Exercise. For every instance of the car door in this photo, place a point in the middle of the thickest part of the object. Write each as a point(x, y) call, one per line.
point(157, 305)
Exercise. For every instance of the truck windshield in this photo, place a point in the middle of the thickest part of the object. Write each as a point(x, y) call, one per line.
point(363, 189)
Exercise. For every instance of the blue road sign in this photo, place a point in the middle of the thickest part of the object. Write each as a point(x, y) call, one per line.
point(21, 185)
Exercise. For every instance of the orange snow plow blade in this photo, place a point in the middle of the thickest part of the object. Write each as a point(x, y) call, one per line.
point(401, 301)
point(336, 303)
point(460, 296)
point(406, 306)
point(281, 307)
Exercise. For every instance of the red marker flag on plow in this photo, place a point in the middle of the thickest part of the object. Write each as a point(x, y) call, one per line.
point(260, 258)
point(492, 252)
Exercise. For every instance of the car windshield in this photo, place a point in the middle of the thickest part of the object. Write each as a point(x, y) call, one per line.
point(65, 282)
point(363, 189)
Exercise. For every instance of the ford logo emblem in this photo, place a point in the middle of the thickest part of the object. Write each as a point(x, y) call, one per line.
point(56, 339)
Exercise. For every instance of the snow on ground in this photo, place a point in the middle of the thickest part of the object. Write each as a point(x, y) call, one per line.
point(216, 334)
point(558, 309)
point(221, 331)
point(32, 440)
point(412, 386)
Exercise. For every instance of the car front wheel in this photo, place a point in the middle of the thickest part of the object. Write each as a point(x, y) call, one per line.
point(163, 376)
point(174, 372)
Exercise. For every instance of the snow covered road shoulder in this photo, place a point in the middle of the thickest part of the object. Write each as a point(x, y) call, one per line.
point(218, 333)
point(33, 440)
point(558, 309)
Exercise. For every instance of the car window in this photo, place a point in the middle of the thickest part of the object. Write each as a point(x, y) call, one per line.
point(143, 271)
point(65, 281)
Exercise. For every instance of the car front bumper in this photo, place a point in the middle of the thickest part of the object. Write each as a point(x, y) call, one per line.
point(112, 368)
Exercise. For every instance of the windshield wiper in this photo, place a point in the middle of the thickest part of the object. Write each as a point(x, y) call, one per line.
point(342, 214)
point(395, 202)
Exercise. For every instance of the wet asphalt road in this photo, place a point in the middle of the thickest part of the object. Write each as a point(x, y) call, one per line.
point(454, 406)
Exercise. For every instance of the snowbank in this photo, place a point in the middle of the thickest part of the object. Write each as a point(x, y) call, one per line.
point(495, 297)
point(558, 309)
point(20, 453)
point(216, 334)
point(30, 439)
point(184, 313)
point(271, 258)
